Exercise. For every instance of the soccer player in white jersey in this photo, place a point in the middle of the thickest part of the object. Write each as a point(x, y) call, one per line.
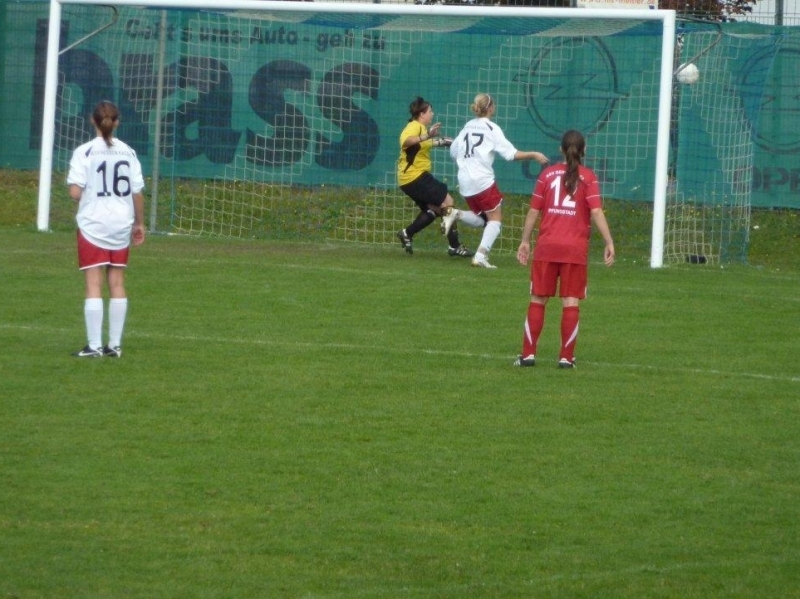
point(474, 150)
point(105, 179)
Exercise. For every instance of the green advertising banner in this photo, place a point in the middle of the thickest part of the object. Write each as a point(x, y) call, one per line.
point(776, 176)
point(323, 102)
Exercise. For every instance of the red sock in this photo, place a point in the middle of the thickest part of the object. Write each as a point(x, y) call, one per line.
point(569, 332)
point(533, 328)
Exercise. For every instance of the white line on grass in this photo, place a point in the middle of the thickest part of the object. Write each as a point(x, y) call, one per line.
point(415, 350)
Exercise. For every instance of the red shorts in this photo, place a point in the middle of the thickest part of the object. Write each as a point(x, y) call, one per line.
point(568, 279)
point(89, 255)
point(485, 201)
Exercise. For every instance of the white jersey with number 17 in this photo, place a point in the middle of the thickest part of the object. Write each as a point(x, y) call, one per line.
point(474, 149)
point(109, 176)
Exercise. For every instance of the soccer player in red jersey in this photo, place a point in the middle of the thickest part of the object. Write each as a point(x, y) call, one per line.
point(567, 196)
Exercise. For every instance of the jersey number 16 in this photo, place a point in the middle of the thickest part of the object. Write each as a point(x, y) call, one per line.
point(120, 183)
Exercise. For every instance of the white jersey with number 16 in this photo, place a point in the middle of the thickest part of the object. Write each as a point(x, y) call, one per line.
point(108, 176)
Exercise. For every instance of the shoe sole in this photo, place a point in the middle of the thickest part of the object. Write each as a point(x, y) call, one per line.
point(447, 224)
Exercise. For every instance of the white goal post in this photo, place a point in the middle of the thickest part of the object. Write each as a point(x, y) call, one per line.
point(392, 17)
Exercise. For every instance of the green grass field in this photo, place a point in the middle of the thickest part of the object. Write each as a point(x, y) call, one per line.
point(311, 420)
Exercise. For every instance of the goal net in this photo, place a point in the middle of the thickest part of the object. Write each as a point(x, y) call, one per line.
point(715, 110)
point(281, 120)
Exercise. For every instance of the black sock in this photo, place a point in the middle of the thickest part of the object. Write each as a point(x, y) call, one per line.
point(423, 220)
point(452, 237)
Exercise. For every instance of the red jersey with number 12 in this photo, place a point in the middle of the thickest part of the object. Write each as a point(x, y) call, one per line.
point(565, 224)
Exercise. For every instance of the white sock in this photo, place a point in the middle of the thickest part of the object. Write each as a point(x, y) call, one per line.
point(490, 234)
point(93, 315)
point(117, 309)
point(469, 218)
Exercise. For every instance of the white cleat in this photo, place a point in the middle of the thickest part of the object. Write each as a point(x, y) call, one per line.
point(449, 218)
point(480, 261)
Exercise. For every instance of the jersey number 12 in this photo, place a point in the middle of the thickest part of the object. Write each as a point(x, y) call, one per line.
point(566, 201)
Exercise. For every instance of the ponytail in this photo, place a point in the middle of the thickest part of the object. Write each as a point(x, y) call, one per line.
point(481, 105)
point(106, 118)
point(417, 107)
point(573, 146)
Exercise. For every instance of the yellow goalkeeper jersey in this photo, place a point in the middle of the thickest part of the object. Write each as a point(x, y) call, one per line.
point(415, 159)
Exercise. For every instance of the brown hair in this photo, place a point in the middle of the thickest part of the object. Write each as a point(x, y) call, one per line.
point(417, 107)
point(573, 146)
point(481, 104)
point(106, 118)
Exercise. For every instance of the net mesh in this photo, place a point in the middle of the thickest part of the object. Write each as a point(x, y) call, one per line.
point(286, 124)
point(709, 200)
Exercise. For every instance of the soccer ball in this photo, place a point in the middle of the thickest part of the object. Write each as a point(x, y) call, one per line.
point(688, 74)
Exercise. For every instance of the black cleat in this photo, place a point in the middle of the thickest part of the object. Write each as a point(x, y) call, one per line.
point(461, 250)
point(89, 352)
point(405, 241)
point(112, 352)
point(526, 361)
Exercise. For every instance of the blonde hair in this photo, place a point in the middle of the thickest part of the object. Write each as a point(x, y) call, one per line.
point(481, 104)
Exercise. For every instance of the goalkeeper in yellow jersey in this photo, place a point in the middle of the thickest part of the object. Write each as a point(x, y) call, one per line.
point(415, 178)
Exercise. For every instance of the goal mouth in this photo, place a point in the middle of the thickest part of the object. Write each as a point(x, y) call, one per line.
point(247, 114)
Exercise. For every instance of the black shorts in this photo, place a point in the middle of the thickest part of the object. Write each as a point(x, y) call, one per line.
point(425, 190)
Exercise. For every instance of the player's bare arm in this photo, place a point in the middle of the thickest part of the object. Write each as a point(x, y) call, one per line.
point(413, 140)
point(537, 156)
point(75, 192)
point(137, 234)
point(599, 219)
point(524, 250)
